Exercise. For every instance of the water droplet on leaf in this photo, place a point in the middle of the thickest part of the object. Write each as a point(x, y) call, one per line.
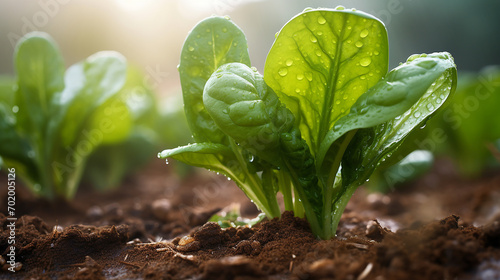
point(283, 71)
point(321, 20)
point(365, 61)
point(289, 62)
point(309, 76)
point(363, 33)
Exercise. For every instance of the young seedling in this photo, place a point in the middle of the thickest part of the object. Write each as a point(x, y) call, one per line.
point(319, 121)
point(51, 121)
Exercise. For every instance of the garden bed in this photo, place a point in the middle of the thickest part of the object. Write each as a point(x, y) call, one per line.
point(439, 227)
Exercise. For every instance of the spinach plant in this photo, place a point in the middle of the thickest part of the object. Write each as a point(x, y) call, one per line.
point(318, 122)
point(51, 121)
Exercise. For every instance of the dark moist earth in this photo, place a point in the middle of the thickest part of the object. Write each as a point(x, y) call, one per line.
point(154, 227)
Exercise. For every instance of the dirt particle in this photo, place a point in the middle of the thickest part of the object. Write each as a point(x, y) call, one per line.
point(208, 235)
point(189, 247)
point(322, 268)
point(491, 234)
point(113, 209)
point(374, 231)
point(248, 247)
point(95, 212)
point(230, 268)
point(161, 209)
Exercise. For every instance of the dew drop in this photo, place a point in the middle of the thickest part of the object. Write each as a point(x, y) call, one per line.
point(313, 39)
point(359, 44)
point(376, 53)
point(337, 102)
point(289, 62)
point(363, 33)
point(224, 30)
point(340, 8)
point(190, 48)
point(321, 20)
point(300, 77)
point(209, 43)
point(417, 114)
point(319, 33)
point(283, 71)
point(166, 161)
point(318, 52)
point(297, 90)
point(15, 109)
point(225, 111)
point(309, 76)
point(31, 154)
point(365, 61)
point(430, 106)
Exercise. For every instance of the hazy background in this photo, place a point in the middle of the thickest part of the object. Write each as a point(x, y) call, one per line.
point(150, 33)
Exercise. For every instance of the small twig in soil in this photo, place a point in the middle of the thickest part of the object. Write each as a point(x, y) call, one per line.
point(365, 272)
point(358, 245)
point(129, 264)
point(185, 257)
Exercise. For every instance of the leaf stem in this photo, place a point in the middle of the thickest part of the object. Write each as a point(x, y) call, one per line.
point(271, 208)
point(285, 187)
point(329, 187)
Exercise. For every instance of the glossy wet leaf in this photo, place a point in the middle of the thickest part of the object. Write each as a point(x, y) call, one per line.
point(414, 89)
point(321, 62)
point(222, 159)
point(247, 110)
point(426, 81)
point(213, 42)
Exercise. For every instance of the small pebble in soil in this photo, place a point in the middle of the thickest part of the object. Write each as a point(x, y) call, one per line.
point(187, 244)
point(113, 209)
point(230, 267)
point(161, 209)
point(17, 267)
point(374, 231)
point(95, 212)
point(322, 268)
point(57, 229)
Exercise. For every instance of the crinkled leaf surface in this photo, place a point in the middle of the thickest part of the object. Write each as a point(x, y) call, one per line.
point(247, 110)
point(213, 42)
point(321, 62)
point(406, 98)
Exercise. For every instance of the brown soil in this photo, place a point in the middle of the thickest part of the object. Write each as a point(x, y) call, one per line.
point(154, 227)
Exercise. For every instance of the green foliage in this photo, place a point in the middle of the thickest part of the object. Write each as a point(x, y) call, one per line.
point(467, 130)
point(321, 119)
point(52, 120)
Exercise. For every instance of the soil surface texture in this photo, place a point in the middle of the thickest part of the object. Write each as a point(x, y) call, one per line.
point(154, 226)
